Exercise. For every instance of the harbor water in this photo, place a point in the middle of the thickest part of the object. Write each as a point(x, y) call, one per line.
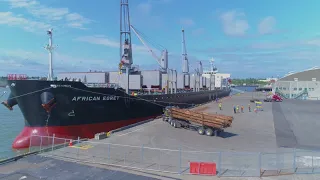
point(11, 124)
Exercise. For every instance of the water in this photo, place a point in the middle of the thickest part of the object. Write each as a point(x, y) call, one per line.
point(11, 124)
point(246, 88)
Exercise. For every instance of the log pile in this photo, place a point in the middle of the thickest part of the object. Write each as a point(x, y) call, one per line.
point(211, 120)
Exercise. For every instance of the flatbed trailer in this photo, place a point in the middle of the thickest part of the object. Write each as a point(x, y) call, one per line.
point(203, 123)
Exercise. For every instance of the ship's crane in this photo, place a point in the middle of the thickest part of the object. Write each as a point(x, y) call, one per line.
point(163, 60)
point(185, 60)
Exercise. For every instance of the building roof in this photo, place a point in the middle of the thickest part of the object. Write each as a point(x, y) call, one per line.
point(305, 75)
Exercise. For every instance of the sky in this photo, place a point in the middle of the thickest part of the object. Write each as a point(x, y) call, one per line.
point(246, 38)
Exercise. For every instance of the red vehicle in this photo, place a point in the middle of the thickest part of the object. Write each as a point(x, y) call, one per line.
point(274, 97)
point(277, 98)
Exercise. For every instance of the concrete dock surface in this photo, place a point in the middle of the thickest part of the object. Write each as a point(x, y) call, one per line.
point(275, 141)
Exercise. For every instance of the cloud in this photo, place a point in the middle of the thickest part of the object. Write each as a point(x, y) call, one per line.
point(267, 25)
point(198, 31)
point(51, 15)
point(8, 18)
point(314, 42)
point(143, 15)
point(105, 41)
point(187, 22)
point(33, 62)
point(100, 40)
point(234, 23)
point(265, 59)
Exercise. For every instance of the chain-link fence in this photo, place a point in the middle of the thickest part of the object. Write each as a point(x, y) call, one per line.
point(233, 164)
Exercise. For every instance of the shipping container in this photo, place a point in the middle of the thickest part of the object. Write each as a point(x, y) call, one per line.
point(201, 82)
point(135, 82)
point(180, 79)
point(164, 80)
point(87, 77)
point(114, 77)
point(208, 82)
point(187, 80)
point(151, 78)
point(192, 81)
point(204, 82)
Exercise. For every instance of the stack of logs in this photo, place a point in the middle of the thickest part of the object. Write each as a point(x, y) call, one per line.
point(211, 120)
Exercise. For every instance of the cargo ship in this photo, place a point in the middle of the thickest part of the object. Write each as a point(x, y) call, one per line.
point(81, 104)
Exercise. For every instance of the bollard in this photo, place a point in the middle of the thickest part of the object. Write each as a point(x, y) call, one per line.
point(52, 142)
point(30, 143)
point(40, 143)
point(159, 160)
point(78, 146)
point(219, 163)
point(180, 159)
point(260, 164)
point(142, 152)
point(108, 159)
point(294, 160)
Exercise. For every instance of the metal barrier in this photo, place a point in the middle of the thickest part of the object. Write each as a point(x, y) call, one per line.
point(232, 164)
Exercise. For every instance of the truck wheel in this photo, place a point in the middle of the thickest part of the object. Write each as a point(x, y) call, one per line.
point(177, 124)
point(201, 130)
point(209, 132)
point(171, 122)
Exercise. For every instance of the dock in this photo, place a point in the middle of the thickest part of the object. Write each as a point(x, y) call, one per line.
point(279, 141)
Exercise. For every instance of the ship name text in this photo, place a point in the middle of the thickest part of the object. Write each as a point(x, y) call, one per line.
point(95, 98)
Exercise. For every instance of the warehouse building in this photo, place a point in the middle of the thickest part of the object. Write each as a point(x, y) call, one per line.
point(300, 85)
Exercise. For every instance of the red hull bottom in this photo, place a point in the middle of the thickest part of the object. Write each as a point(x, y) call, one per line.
point(23, 140)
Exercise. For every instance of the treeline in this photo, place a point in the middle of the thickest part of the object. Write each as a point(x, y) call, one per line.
point(248, 82)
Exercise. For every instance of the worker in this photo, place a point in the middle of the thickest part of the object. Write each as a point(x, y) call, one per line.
point(249, 107)
point(237, 108)
point(234, 109)
point(220, 106)
point(242, 108)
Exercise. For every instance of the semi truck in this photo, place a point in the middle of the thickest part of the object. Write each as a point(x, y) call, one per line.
point(203, 123)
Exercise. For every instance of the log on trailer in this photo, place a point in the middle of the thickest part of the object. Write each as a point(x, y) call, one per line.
point(205, 119)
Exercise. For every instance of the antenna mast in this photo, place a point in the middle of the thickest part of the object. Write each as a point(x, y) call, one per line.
point(50, 48)
point(213, 67)
point(125, 41)
point(185, 63)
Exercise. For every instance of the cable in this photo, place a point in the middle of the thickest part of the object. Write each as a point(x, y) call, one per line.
point(145, 37)
point(29, 93)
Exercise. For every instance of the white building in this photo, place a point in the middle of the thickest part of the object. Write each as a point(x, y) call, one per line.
point(300, 85)
point(218, 78)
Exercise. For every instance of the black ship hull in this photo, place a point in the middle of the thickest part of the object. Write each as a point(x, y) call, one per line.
point(71, 109)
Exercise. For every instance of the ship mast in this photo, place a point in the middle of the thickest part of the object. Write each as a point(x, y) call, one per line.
point(125, 41)
point(50, 48)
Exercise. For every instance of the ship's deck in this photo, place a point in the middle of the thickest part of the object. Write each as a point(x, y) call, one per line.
point(295, 126)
